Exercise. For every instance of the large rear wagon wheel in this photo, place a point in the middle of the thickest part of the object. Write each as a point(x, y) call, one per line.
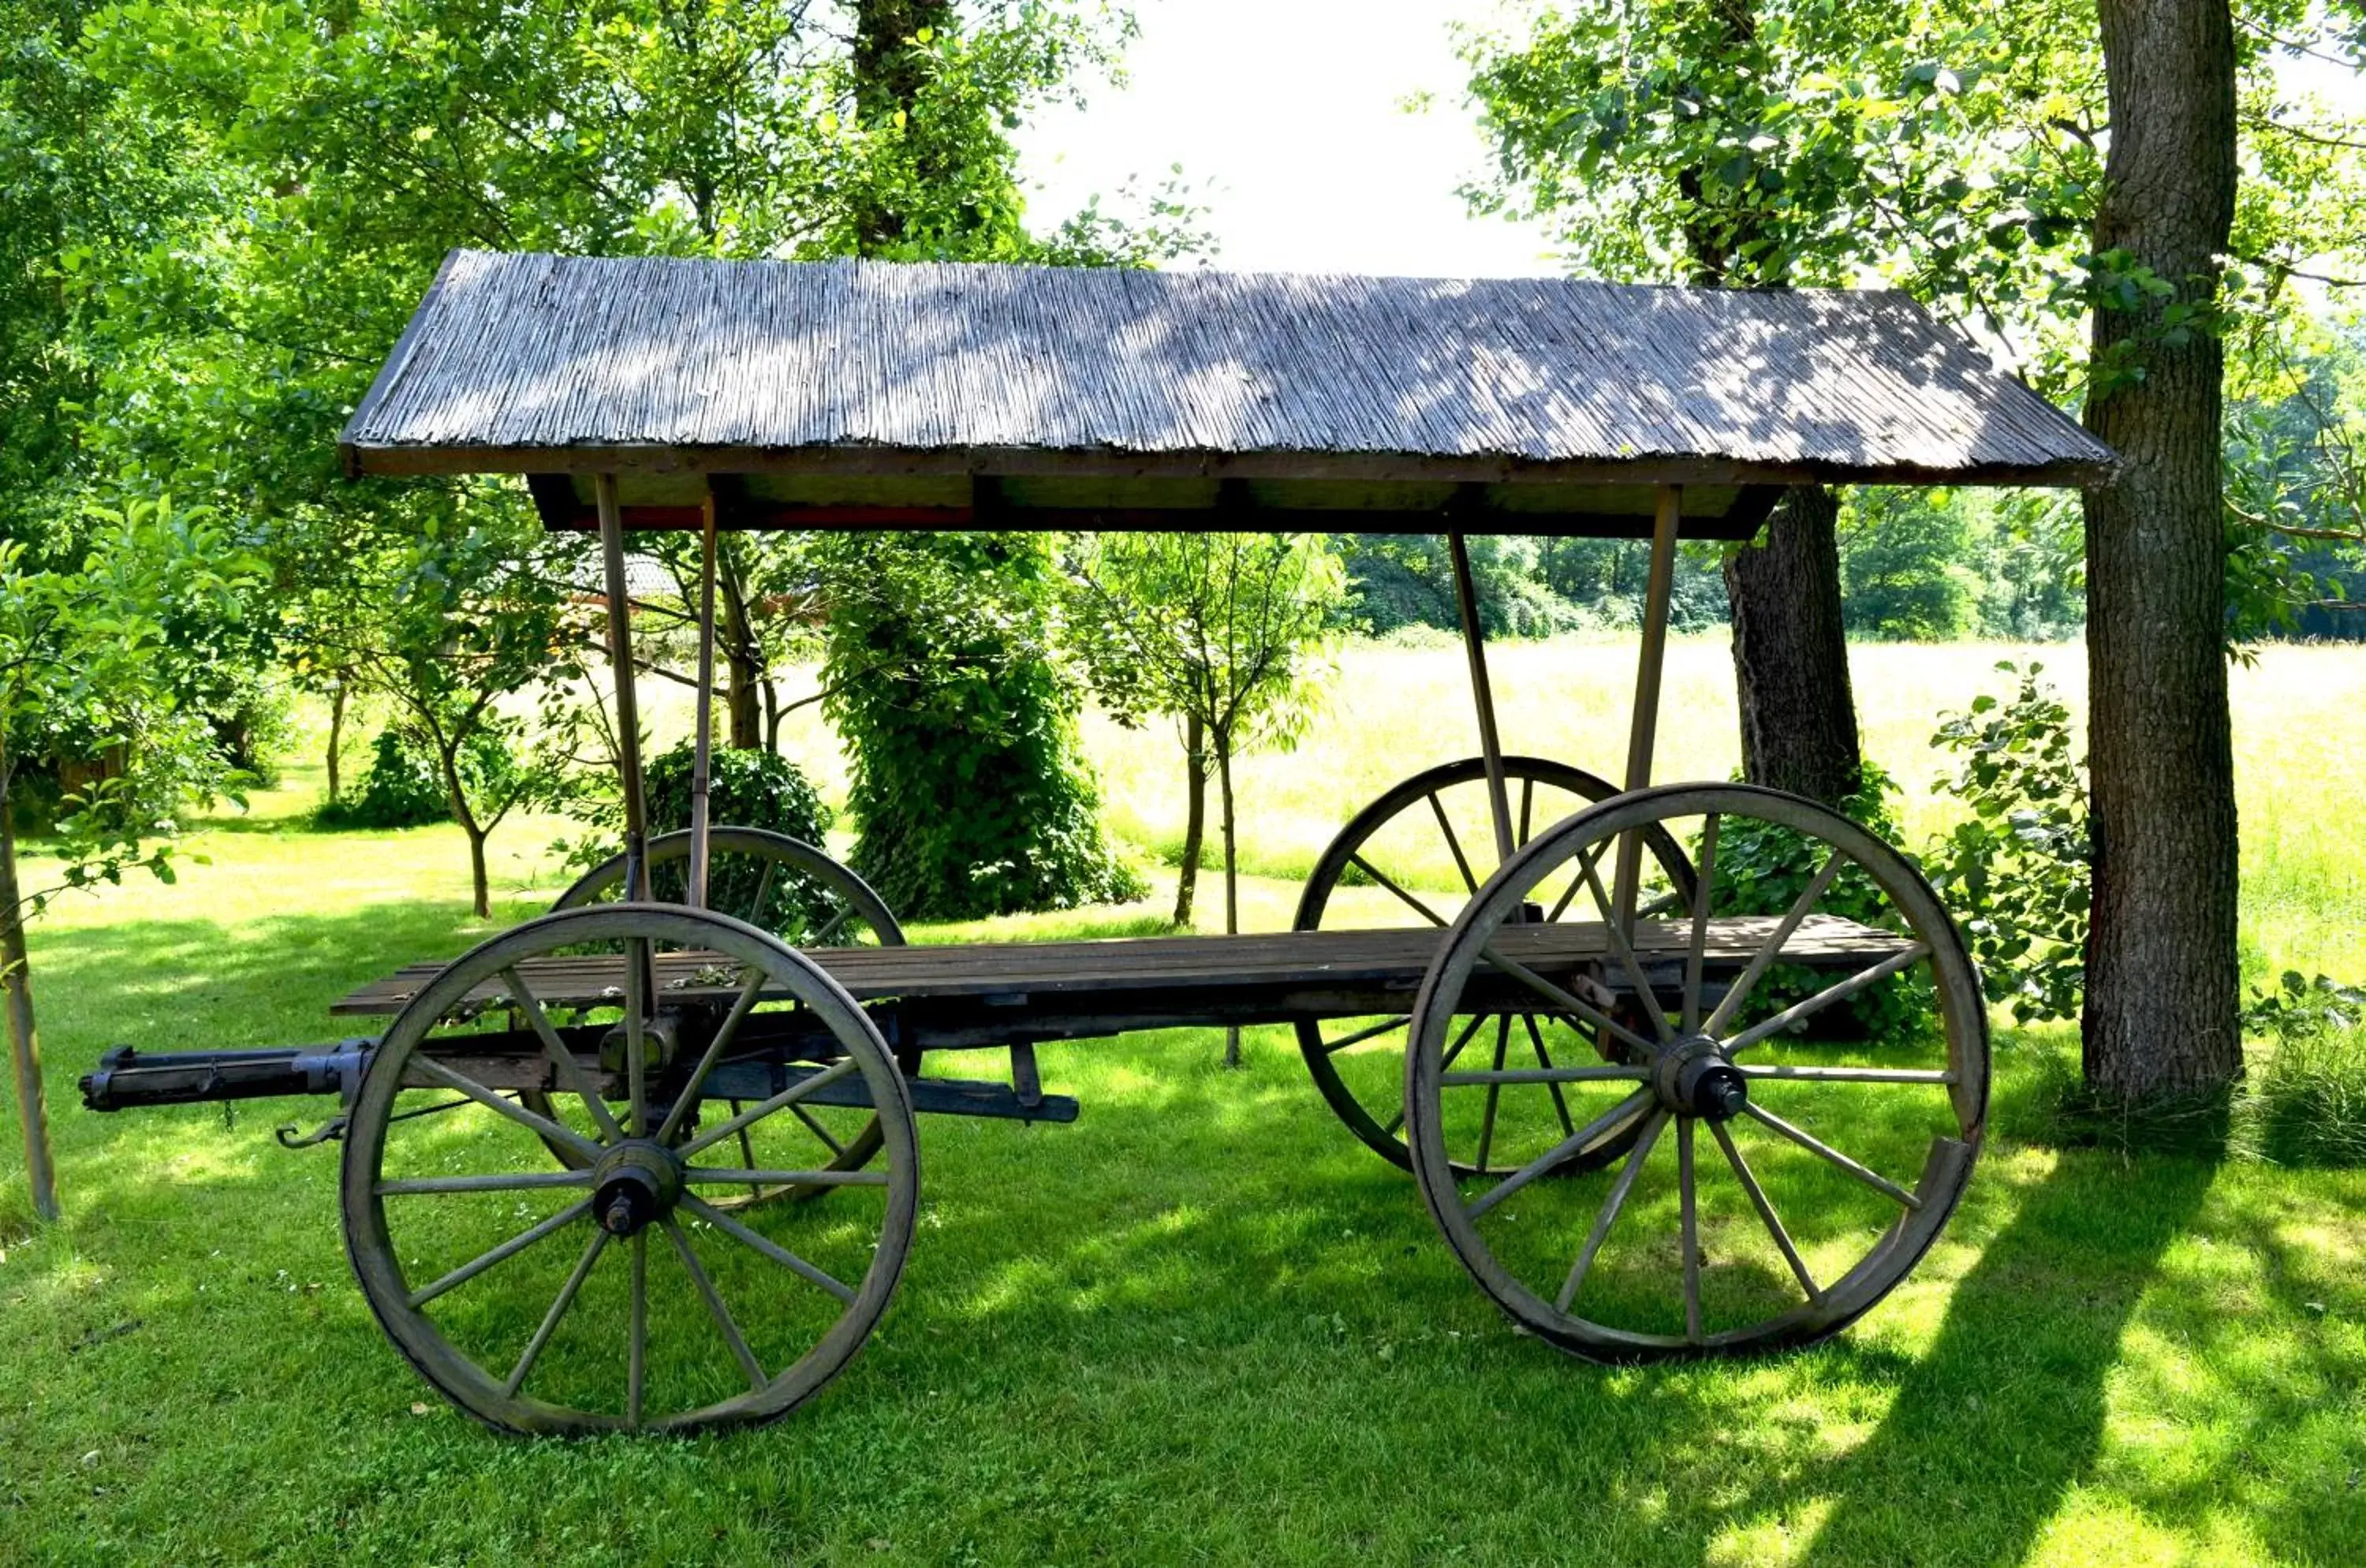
point(1413, 856)
point(798, 892)
point(612, 1291)
point(1807, 1095)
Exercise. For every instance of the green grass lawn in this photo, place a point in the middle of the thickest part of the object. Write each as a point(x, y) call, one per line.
point(1202, 1325)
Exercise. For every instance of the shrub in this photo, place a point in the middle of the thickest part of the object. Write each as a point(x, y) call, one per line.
point(745, 788)
point(403, 788)
point(2308, 1104)
point(1762, 869)
point(2016, 871)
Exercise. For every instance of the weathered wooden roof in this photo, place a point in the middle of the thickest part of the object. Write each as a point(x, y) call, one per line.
point(866, 390)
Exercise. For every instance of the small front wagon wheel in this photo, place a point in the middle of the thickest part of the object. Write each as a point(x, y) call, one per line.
point(1806, 1087)
point(611, 1289)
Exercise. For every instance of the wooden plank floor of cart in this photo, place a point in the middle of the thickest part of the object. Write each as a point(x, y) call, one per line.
point(989, 993)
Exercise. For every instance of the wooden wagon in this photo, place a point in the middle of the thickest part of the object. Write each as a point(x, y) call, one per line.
point(1678, 1069)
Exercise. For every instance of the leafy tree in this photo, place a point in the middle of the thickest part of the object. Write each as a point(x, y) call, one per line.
point(88, 660)
point(1225, 632)
point(1903, 568)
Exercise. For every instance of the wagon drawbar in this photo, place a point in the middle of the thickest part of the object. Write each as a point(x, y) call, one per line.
point(1678, 1069)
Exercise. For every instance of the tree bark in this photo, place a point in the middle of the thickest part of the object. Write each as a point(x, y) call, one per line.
point(2162, 973)
point(888, 80)
point(1223, 737)
point(24, 1042)
point(744, 675)
point(1790, 653)
point(1195, 817)
point(336, 734)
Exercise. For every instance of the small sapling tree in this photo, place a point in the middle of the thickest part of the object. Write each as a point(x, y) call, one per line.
point(1226, 632)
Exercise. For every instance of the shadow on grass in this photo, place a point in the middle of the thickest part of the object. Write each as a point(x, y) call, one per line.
point(2018, 1368)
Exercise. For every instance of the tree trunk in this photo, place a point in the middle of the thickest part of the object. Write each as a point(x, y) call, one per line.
point(1195, 817)
point(887, 81)
point(2162, 976)
point(1790, 653)
point(336, 734)
point(1223, 737)
point(744, 676)
point(476, 879)
point(24, 1044)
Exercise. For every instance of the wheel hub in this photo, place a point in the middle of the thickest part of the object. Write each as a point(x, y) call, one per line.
point(635, 1184)
point(1695, 1077)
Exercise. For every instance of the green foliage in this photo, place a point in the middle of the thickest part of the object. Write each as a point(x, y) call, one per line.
point(2015, 872)
point(746, 788)
point(98, 659)
point(1763, 868)
point(2307, 1104)
point(969, 791)
point(1904, 574)
point(403, 788)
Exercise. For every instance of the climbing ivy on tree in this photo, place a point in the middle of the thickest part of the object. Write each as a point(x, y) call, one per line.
point(969, 791)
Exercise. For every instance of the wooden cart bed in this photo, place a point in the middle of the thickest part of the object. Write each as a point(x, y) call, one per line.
point(978, 994)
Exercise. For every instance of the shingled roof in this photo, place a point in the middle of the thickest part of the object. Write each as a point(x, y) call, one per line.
point(885, 389)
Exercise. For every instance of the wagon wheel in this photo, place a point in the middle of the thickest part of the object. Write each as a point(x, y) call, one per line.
point(1804, 1208)
point(548, 1297)
point(799, 894)
point(1435, 827)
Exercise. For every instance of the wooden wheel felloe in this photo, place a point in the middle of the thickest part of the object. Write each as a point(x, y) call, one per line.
point(1416, 854)
point(798, 893)
point(1807, 1095)
point(543, 1295)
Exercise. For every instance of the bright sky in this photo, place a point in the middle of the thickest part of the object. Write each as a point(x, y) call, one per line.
point(1288, 118)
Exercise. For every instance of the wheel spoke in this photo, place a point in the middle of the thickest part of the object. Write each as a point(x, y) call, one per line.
point(721, 1313)
point(1809, 1141)
point(558, 1309)
point(1696, 955)
point(1611, 1074)
point(755, 915)
point(637, 1351)
point(1766, 1213)
point(1461, 861)
point(1495, 1092)
point(1827, 997)
point(1610, 1207)
point(1469, 1030)
point(1619, 945)
point(1385, 1026)
point(571, 1071)
point(757, 1112)
point(1688, 1223)
point(1850, 1075)
point(745, 1178)
point(724, 1034)
point(1602, 1126)
point(510, 1248)
point(1585, 859)
point(1385, 880)
point(1566, 1002)
point(1528, 799)
point(821, 938)
point(498, 1181)
point(812, 1123)
point(540, 1126)
point(1772, 948)
point(1560, 1102)
point(636, 1001)
point(768, 1246)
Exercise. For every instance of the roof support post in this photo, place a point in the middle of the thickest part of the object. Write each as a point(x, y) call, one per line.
point(1482, 695)
point(702, 748)
point(628, 717)
point(1644, 730)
